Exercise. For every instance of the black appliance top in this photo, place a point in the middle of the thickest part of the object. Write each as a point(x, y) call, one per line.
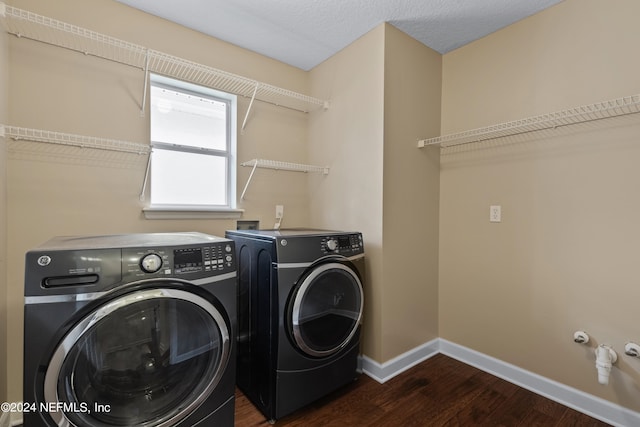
point(128, 240)
point(303, 245)
point(287, 232)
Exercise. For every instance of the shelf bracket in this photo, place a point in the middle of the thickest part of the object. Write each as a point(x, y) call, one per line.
point(146, 178)
point(255, 165)
point(146, 83)
point(253, 98)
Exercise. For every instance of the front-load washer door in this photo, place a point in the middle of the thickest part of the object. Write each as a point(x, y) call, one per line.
point(146, 358)
point(326, 308)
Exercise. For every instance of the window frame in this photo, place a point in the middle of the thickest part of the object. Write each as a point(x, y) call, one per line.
point(195, 211)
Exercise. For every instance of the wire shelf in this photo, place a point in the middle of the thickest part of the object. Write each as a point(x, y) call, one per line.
point(586, 113)
point(277, 165)
point(36, 135)
point(30, 25)
point(293, 167)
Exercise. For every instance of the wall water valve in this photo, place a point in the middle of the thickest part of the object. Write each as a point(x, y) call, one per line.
point(581, 337)
point(632, 349)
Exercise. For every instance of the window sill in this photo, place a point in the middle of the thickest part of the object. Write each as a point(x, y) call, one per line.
point(157, 212)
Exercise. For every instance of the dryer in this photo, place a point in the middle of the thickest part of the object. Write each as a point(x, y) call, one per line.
point(300, 305)
point(130, 330)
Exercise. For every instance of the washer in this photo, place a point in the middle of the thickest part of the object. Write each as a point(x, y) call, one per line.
point(299, 315)
point(130, 330)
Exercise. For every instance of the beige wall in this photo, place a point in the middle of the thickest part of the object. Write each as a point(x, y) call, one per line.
point(385, 94)
point(565, 255)
point(55, 190)
point(411, 184)
point(348, 137)
point(4, 81)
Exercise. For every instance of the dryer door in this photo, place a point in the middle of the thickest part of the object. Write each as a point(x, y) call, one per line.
point(326, 309)
point(149, 357)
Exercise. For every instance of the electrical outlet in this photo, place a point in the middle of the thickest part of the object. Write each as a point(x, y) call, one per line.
point(279, 211)
point(495, 213)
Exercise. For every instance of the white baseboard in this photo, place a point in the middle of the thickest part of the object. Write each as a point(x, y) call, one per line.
point(4, 419)
point(588, 404)
point(387, 370)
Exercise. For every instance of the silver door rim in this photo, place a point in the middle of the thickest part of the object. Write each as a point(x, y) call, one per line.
point(71, 338)
point(295, 313)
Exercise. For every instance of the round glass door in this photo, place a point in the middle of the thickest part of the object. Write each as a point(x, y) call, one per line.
point(326, 309)
point(148, 358)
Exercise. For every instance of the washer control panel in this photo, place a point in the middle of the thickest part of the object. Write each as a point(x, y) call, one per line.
point(188, 261)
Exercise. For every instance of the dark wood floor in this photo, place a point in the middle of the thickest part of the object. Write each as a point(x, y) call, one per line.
point(438, 392)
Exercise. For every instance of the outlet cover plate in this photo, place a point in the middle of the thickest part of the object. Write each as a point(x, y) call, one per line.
point(495, 213)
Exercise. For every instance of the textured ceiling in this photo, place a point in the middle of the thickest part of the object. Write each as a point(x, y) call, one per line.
point(303, 33)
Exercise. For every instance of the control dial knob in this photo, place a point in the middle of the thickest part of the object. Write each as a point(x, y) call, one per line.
point(151, 263)
point(332, 244)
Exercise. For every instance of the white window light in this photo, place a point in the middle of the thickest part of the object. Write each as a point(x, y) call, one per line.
point(193, 158)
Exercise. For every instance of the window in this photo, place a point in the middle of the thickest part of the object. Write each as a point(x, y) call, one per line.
point(193, 140)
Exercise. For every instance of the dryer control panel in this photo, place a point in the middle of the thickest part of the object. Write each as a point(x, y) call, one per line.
point(303, 245)
point(343, 244)
point(310, 248)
